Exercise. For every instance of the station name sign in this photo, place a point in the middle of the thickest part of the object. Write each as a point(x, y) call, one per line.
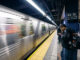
point(72, 16)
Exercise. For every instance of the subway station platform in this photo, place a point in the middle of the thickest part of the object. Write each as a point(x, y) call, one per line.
point(28, 28)
point(48, 49)
point(78, 55)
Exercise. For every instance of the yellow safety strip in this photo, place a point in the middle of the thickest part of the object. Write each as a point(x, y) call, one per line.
point(42, 50)
point(39, 40)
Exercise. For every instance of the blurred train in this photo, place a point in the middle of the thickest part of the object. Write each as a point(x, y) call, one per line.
point(20, 33)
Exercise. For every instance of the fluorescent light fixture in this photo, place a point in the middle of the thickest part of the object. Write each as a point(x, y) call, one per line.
point(48, 18)
point(39, 9)
point(8, 15)
point(36, 6)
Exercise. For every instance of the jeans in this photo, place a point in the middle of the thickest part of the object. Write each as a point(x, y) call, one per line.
point(67, 54)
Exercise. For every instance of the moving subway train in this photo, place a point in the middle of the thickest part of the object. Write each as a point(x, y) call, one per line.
point(20, 34)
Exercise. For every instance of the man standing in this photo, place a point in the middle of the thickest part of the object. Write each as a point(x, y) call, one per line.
point(69, 52)
point(59, 47)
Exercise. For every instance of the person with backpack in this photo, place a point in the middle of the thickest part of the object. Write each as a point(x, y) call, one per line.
point(69, 51)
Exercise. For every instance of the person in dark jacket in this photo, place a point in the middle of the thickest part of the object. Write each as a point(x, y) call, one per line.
point(59, 35)
point(69, 52)
point(59, 47)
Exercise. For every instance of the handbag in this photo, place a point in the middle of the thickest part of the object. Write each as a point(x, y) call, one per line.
point(78, 43)
point(75, 43)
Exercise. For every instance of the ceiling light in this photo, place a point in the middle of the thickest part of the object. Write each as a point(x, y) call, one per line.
point(39, 9)
point(36, 6)
point(48, 18)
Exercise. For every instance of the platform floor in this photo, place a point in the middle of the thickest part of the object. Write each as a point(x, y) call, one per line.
point(78, 54)
point(41, 52)
point(48, 50)
point(52, 50)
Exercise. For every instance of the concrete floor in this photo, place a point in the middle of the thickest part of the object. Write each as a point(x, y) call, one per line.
point(52, 51)
point(78, 54)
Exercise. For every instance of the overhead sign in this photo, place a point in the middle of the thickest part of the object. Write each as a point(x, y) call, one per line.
point(72, 16)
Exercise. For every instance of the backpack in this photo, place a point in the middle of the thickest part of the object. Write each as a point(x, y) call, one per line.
point(77, 42)
point(67, 39)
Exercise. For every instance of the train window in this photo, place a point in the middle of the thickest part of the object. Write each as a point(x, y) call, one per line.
point(1, 37)
point(11, 33)
point(1, 32)
point(8, 34)
point(31, 29)
point(43, 28)
point(23, 30)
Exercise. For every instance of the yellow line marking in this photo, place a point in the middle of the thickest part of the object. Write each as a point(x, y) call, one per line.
point(39, 40)
point(42, 50)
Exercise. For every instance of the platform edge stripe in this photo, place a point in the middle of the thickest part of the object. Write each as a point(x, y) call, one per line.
point(42, 49)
